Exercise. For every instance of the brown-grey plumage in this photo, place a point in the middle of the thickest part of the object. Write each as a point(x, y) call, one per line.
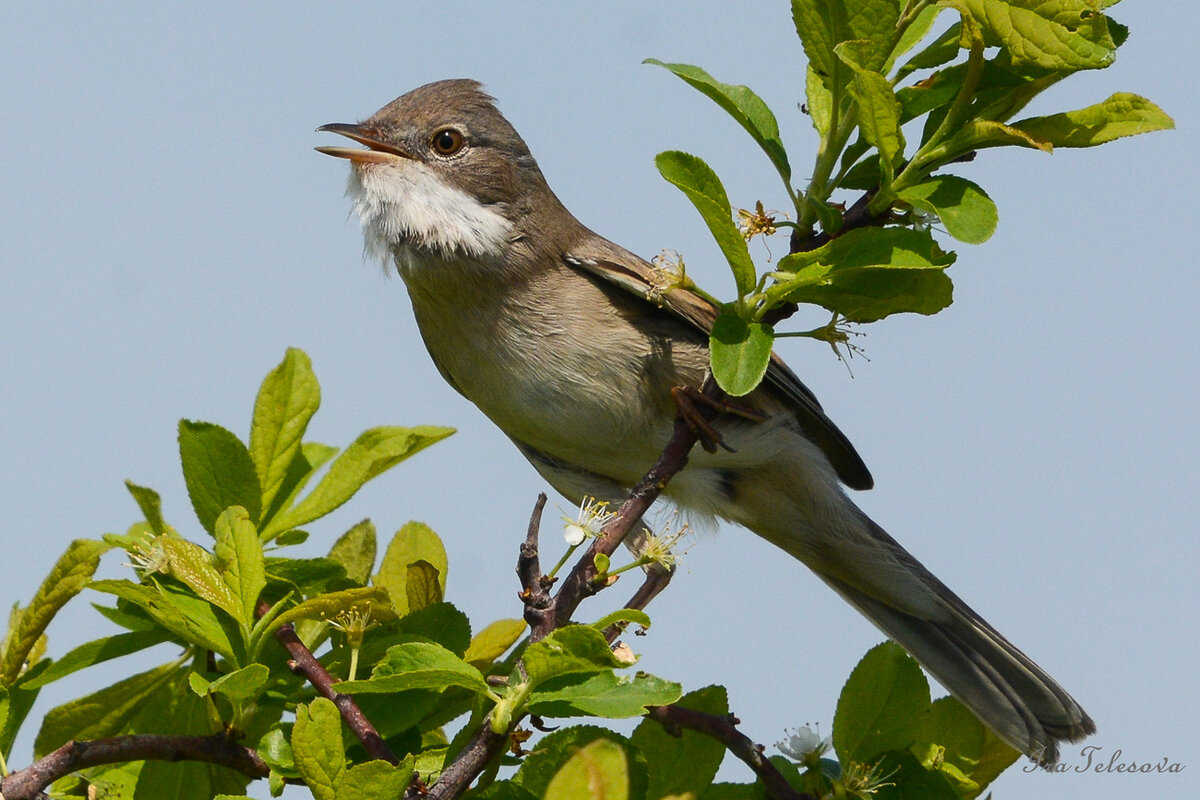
point(571, 345)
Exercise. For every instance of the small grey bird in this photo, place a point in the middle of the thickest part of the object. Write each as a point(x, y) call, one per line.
point(572, 345)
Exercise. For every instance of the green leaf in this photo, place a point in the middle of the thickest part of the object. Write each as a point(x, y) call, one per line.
point(101, 713)
point(702, 186)
point(868, 274)
point(240, 685)
point(422, 585)
point(418, 665)
point(288, 398)
point(941, 50)
point(878, 108)
point(740, 351)
point(969, 746)
point(599, 771)
point(192, 564)
point(978, 134)
point(188, 618)
point(741, 103)
point(329, 605)
point(150, 504)
point(240, 556)
point(493, 641)
point(568, 650)
point(317, 748)
point(1123, 114)
point(883, 706)
point(374, 780)
point(306, 576)
point(965, 210)
point(97, 652)
point(909, 779)
point(439, 622)
point(602, 695)
point(911, 36)
point(67, 578)
point(625, 615)
point(824, 24)
point(1049, 34)
point(218, 472)
point(415, 542)
point(820, 102)
point(685, 764)
point(552, 751)
point(311, 457)
point(355, 550)
point(372, 453)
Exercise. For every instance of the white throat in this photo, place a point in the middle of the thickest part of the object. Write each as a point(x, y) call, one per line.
point(405, 208)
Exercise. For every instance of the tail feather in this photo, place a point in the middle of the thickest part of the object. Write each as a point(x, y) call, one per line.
point(1009, 693)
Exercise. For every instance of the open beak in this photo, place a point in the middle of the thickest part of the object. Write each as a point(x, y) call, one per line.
point(378, 152)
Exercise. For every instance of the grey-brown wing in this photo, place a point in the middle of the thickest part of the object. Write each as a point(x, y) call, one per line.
point(638, 277)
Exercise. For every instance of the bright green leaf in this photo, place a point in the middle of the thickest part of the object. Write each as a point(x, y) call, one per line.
point(150, 504)
point(882, 707)
point(288, 398)
point(741, 103)
point(969, 745)
point(869, 273)
point(415, 542)
point(438, 622)
point(355, 550)
point(192, 564)
point(568, 650)
point(317, 748)
point(820, 102)
point(687, 763)
point(188, 618)
point(493, 641)
point(97, 652)
point(419, 665)
point(372, 453)
point(603, 695)
point(329, 605)
point(599, 771)
point(965, 210)
point(240, 685)
point(374, 780)
point(624, 615)
point(67, 578)
point(311, 457)
point(422, 585)
point(741, 353)
point(1049, 34)
point(702, 186)
point(1123, 114)
point(218, 472)
point(240, 557)
point(102, 713)
point(553, 750)
point(878, 108)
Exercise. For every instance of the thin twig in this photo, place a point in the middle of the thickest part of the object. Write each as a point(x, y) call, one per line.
point(724, 730)
point(29, 783)
point(581, 582)
point(305, 664)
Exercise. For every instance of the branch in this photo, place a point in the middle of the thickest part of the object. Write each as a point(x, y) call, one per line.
point(305, 664)
point(29, 783)
point(724, 730)
point(581, 582)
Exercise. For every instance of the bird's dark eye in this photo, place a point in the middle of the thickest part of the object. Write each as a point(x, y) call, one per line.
point(447, 141)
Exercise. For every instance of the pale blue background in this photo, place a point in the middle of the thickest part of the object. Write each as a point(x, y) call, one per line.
point(166, 231)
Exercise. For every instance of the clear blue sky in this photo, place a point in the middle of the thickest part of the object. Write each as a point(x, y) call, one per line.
point(166, 231)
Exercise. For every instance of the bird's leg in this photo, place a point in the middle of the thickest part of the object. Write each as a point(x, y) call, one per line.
point(697, 408)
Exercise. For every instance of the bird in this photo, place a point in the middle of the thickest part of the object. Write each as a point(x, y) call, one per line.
point(572, 346)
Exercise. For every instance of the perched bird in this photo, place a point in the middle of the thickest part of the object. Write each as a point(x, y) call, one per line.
point(572, 345)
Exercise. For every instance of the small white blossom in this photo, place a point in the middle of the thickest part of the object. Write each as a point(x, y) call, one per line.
point(803, 743)
point(593, 516)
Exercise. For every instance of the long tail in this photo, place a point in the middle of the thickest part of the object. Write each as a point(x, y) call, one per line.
point(1011, 694)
